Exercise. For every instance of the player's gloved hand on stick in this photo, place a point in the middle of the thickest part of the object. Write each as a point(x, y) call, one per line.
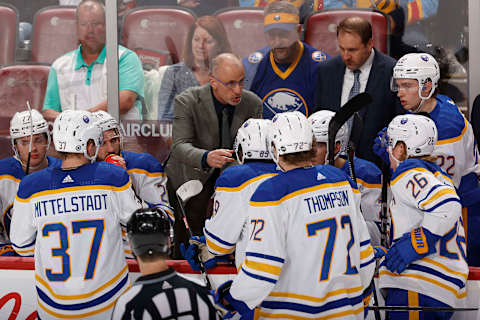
point(410, 247)
point(197, 252)
point(224, 300)
point(380, 145)
point(379, 252)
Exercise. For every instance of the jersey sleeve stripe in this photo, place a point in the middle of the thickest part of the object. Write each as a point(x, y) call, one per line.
point(246, 183)
point(457, 282)
point(214, 248)
point(341, 314)
point(264, 256)
point(426, 279)
point(25, 252)
point(258, 277)
point(366, 253)
point(85, 295)
point(211, 235)
point(77, 188)
point(442, 203)
point(296, 193)
point(84, 305)
point(259, 266)
point(76, 316)
point(363, 265)
point(25, 246)
point(430, 192)
point(9, 177)
point(292, 295)
point(364, 243)
point(438, 173)
point(447, 269)
point(145, 172)
point(436, 196)
point(368, 185)
point(454, 139)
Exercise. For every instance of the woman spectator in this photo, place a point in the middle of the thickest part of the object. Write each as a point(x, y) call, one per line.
point(206, 39)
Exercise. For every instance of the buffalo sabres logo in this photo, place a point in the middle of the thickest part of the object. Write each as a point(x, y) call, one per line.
point(255, 57)
point(282, 100)
point(403, 121)
point(424, 58)
point(86, 119)
point(318, 56)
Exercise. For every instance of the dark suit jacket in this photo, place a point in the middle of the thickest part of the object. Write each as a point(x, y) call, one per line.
point(196, 130)
point(378, 114)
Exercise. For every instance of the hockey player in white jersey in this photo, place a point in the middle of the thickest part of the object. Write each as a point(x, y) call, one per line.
point(415, 79)
point(309, 253)
point(368, 176)
point(226, 231)
point(426, 265)
point(24, 126)
point(69, 217)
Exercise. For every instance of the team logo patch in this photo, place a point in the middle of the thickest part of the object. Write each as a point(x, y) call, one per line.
point(86, 119)
point(282, 100)
point(403, 121)
point(318, 56)
point(424, 58)
point(255, 57)
point(245, 125)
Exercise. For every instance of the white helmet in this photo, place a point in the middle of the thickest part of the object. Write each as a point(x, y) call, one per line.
point(251, 140)
point(290, 132)
point(73, 129)
point(26, 123)
point(105, 120)
point(320, 121)
point(419, 133)
point(420, 66)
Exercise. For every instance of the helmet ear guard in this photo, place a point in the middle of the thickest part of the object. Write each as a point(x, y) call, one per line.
point(251, 140)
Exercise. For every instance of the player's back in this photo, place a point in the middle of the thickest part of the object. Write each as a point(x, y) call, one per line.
point(72, 218)
point(306, 240)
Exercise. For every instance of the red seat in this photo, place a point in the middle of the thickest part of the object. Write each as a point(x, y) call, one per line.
point(244, 29)
point(8, 36)
point(19, 84)
point(157, 28)
point(54, 33)
point(321, 28)
point(152, 59)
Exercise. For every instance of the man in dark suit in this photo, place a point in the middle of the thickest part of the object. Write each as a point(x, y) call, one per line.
point(205, 121)
point(359, 68)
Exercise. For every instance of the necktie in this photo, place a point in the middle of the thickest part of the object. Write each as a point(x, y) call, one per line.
point(353, 92)
point(226, 139)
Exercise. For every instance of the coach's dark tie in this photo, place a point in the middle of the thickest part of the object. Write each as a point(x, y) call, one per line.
point(353, 92)
point(226, 138)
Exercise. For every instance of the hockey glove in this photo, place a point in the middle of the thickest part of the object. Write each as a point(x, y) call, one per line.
point(6, 249)
point(197, 253)
point(411, 246)
point(379, 252)
point(380, 145)
point(224, 301)
point(386, 6)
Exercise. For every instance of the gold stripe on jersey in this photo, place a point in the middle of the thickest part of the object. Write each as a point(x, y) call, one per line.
point(78, 188)
point(296, 193)
point(330, 316)
point(441, 266)
point(369, 185)
point(84, 295)
point(366, 253)
point(438, 195)
point(426, 279)
point(9, 177)
point(76, 316)
point(438, 173)
point(246, 183)
point(145, 172)
point(24, 252)
point(284, 74)
point(315, 299)
point(217, 248)
point(264, 267)
point(454, 139)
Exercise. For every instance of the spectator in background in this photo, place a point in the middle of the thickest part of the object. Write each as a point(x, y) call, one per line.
point(205, 120)
point(77, 80)
point(359, 68)
point(206, 39)
point(284, 73)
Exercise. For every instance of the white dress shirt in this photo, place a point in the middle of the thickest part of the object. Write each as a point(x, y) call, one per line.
point(363, 78)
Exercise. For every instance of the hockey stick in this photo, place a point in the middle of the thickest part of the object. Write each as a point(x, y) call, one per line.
point(27, 169)
point(346, 111)
point(425, 309)
point(184, 193)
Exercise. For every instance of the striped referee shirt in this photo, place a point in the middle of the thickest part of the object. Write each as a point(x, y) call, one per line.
point(165, 295)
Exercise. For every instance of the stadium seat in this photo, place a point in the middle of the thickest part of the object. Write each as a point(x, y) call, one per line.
point(8, 37)
point(244, 27)
point(54, 33)
point(157, 28)
point(19, 84)
point(321, 28)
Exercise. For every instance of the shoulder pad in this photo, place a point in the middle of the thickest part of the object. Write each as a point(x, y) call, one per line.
point(318, 56)
point(255, 57)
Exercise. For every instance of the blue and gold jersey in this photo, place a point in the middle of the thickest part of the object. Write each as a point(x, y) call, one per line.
point(70, 220)
point(308, 253)
point(284, 87)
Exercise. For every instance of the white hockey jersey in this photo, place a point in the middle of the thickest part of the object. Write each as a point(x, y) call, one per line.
point(309, 253)
point(227, 229)
point(71, 220)
point(424, 196)
point(456, 148)
point(369, 183)
point(11, 172)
